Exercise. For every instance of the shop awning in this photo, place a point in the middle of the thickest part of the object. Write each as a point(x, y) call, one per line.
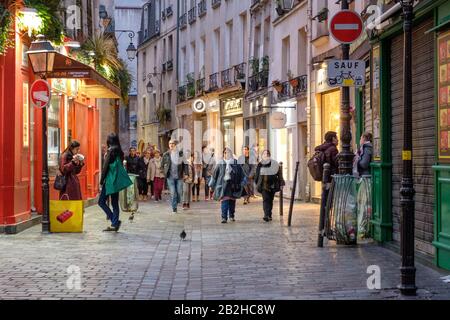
point(92, 84)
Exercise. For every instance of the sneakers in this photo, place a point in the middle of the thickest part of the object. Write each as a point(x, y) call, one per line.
point(232, 219)
point(266, 219)
point(224, 220)
point(174, 210)
point(118, 226)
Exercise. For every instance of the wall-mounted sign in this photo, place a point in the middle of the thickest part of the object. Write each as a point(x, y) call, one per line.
point(199, 106)
point(346, 26)
point(278, 120)
point(346, 73)
point(40, 93)
point(232, 107)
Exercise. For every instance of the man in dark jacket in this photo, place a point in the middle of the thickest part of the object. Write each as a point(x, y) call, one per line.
point(175, 171)
point(248, 161)
point(329, 148)
point(132, 162)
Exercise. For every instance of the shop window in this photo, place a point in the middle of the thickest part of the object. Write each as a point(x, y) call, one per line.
point(331, 112)
point(53, 134)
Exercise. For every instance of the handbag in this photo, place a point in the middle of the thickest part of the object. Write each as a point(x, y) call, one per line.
point(60, 182)
point(117, 178)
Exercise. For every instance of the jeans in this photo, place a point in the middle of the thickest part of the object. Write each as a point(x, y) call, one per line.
point(196, 187)
point(102, 202)
point(207, 179)
point(228, 208)
point(268, 202)
point(176, 191)
point(142, 186)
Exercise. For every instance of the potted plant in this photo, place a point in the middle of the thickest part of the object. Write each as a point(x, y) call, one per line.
point(265, 63)
point(254, 63)
point(293, 81)
point(277, 85)
point(163, 114)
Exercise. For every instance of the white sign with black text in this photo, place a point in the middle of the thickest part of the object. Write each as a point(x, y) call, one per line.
point(346, 73)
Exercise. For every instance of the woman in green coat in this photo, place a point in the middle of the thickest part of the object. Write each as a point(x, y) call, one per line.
point(114, 152)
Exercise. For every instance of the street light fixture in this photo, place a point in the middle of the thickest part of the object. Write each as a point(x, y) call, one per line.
point(150, 87)
point(131, 51)
point(29, 19)
point(42, 58)
point(407, 270)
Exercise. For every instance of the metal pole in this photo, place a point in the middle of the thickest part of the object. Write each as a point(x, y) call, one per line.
point(323, 203)
point(408, 271)
point(291, 205)
point(281, 192)
point(346, 156)
point(45, 179)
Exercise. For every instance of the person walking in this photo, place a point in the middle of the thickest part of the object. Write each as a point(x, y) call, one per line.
point(188, 181)
point(363, 157)
point(155, 174)
point(209, 164)
point(174, 171)
point(132, 161)
point(70, 166)
point(142, 172)
point(248, 162)
point(152, 149)
point(269, 180)
point(114, 153)
point(228, 182)
point(330, 150)
point(198, 171)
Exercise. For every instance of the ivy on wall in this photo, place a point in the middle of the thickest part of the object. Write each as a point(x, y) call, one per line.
point(5, 29)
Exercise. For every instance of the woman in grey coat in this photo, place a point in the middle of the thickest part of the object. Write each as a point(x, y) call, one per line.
point(228, 182)
point(363, 157)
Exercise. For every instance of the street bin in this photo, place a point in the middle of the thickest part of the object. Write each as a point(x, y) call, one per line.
point(128, 197)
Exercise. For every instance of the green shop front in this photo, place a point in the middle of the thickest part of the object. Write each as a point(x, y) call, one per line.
point(431, 130)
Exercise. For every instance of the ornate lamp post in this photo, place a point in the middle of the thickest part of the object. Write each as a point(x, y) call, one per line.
point(408, 270)
point(42, 57)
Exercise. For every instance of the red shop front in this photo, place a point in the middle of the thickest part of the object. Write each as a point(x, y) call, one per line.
point(72, 115)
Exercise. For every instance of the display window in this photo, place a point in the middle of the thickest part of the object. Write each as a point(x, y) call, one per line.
point(331, 112)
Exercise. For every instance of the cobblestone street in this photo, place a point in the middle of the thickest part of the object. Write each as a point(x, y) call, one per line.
point(246, 259)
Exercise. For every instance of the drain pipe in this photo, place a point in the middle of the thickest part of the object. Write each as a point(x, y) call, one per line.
point(309, 99)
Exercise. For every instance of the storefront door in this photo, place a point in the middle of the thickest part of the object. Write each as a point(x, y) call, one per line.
point(331, 102)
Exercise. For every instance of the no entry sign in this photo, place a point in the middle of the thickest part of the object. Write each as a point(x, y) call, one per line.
point(40, 93)
point(346, 26)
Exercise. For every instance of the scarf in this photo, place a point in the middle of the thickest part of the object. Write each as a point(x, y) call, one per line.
point(146, 161)
point(269, 167)
point(228, 169)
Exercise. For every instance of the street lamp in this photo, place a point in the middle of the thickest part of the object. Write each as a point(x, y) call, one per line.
point(407, 270)
point(131, 51)
point(150, 87)
point(42, 58)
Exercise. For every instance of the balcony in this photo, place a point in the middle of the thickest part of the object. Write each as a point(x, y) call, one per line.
point(192, 15)
point(293, 88)
point(226, 76)
point(181, 93)
point(239, 72)
point(200, 87)
point(214, 81)
point(258, 81)
point(202, 8)
point(190, 86)
point(215, 3)
point(182, 21)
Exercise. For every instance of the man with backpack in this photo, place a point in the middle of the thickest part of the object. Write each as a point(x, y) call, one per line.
point(325, 153)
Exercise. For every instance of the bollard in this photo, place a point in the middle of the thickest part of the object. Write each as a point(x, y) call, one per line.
point(323, 203)
point(291, 205)
point(281, 192)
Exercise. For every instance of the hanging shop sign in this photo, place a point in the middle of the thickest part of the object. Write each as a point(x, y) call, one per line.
point(199, 106)
point(444, 97)
point(40, 93)
point(232, 107)
point(346, 73)
point(278, 120)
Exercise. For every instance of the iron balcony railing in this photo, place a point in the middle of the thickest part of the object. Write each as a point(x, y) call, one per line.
point(214, 81)
point(215, 3)
point(239, 72)
point(182, 93)
point(258, 81)
point(293, 88)
point(192, 15)
point(202, 8)
point(226, 76)
point(302, 86)
point(169, 65)
point(190, 86)
point(183, 21)
point(200, 87)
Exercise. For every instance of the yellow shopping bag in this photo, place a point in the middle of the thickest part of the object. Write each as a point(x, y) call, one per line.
point(66, 216)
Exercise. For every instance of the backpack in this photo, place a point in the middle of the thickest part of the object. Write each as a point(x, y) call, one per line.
point(237, 178)
point(315, 165)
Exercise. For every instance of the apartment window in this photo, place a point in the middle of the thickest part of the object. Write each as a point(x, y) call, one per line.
point(169, 98)
point(155, 106)
point(192, 58)
point(146, 21)
point(144, 110)
point(164, 50)
point(201, 58)
point(155, 58)
point(266, 39)
point(192, 4)
point(144, 65)
point(169, 56)
point(302, 51)
point(163, 102)
point(183, 6)
point(216, 53)
point(183, 64)
point(256, 41)
point(243, 36)
point(286, 57)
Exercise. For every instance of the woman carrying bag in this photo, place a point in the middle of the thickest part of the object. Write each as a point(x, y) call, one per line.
point(269, 180)
point(114, 179)
point(70, 166)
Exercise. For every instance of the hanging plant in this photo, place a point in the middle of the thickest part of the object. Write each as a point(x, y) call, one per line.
point(51, 25)
point(6, 21)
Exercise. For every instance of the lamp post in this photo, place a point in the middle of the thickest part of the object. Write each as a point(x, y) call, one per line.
point(408, 270)
point(131, 49)
point(42, 57)
point(345, 156)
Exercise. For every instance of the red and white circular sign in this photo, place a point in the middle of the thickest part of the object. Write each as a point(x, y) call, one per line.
point(40, 93)
point(346, 26)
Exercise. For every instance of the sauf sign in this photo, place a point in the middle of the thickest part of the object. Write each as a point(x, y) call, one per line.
point(346, 73)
